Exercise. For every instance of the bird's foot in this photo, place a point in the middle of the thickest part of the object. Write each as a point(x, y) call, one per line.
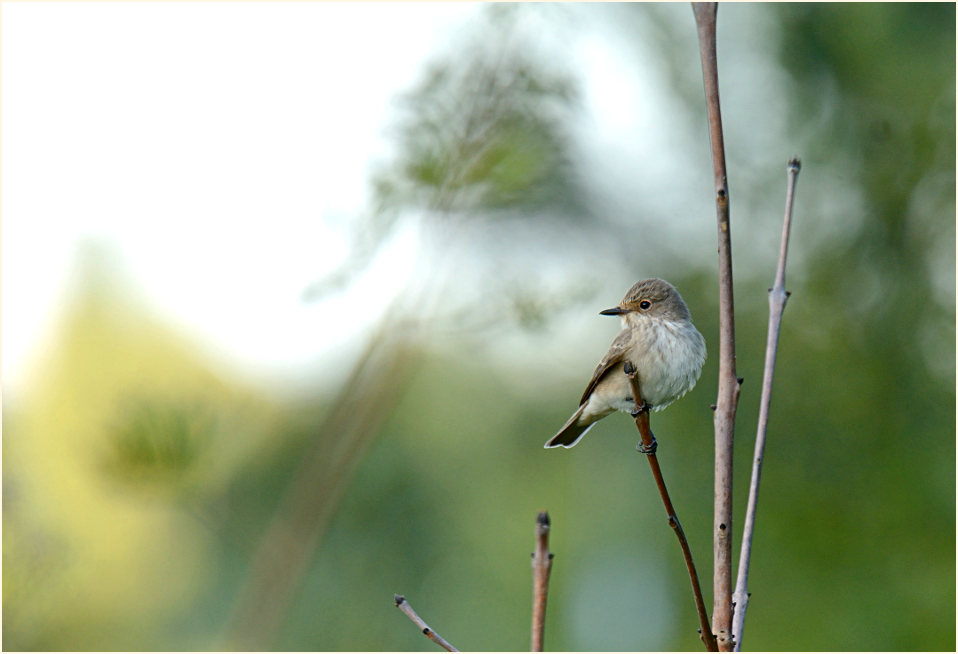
point(642, 448)
point(639, 409)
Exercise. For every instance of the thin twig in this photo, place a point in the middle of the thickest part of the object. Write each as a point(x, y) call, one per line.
point(648, 447)
point(541, 568)
point(728, 382)
point(777, 296)
point(429, 633)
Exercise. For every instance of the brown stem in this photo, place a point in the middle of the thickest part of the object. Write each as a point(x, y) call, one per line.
point(541, 568)
point(777, 296)
point(427, 632)
point(648, 446)
point(728, 382)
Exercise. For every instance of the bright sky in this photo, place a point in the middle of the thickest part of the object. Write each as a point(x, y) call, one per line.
point(208, 143)
point(218, 147)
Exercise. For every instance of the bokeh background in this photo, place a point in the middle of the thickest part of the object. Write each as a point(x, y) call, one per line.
point(294, 293)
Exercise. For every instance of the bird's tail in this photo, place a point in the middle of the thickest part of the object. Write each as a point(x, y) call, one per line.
point(571, 431)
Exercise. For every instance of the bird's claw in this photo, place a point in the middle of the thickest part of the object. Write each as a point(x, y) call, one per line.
point(639, 409)
point(642, 448)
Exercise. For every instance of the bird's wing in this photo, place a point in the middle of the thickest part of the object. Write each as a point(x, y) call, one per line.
point(614, 356)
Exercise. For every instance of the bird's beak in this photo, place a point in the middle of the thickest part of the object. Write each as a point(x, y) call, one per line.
point(614, 311)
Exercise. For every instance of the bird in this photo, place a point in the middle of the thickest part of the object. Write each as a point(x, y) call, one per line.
point(663, 347)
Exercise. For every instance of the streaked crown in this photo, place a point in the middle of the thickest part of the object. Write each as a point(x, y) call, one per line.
point(655, 297)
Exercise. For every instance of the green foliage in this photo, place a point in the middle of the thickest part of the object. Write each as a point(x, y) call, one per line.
point(483, 131)
point(483, 136)
point(156, 443)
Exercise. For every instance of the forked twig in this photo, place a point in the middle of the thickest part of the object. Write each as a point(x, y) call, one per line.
point(541, 568)
point(648, 446)
point(429, 633)
point(777, 296)
point(729, 383)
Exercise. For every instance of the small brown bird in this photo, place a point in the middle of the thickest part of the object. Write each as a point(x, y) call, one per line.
point(665, 348)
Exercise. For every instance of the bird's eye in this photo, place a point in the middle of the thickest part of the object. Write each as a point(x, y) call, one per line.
point(644, 304)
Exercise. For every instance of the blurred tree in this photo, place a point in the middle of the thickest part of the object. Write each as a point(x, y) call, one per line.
point(883, 313)
point(482, 138)
point(109, 471)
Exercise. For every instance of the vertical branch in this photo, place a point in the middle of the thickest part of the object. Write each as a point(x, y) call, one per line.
point(728, 382)
point(648, 446)
point(777, 296)
point(541, 568)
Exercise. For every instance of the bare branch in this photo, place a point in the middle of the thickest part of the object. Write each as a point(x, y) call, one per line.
point(541, 568)
point(728, 382)
point(777, 296)
point(429, 633)
point(648, 446)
